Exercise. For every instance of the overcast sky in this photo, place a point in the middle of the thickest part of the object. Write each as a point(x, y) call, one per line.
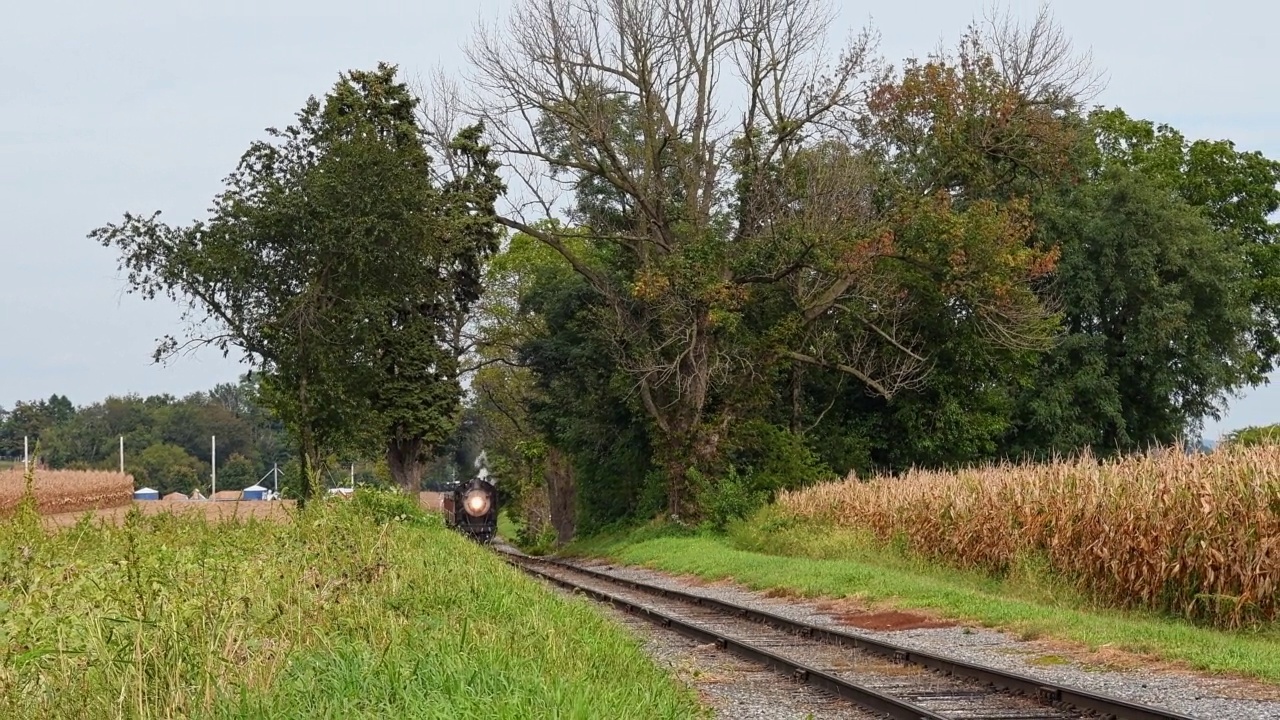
point(147, 104)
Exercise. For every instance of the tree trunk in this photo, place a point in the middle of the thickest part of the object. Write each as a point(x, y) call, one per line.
point(308, 452)
point(677, 480)
point(404, 459)
point(797, 407)
point(562, 492)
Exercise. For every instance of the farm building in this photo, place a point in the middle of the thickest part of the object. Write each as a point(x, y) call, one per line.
point(176, 496)
point(255, 492)
point(146, 494)
point(226, 495)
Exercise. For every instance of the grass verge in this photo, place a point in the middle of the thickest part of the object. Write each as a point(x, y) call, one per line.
point(507, 528)
point(809, 560)
point(360, 609)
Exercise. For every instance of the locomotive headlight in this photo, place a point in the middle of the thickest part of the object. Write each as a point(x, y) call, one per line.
point(476, 503)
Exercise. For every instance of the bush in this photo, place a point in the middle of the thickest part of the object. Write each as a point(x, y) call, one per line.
point(1265, 435)
point(383, 506)
point(727, 499)
point(769, 458)
point(762, 460)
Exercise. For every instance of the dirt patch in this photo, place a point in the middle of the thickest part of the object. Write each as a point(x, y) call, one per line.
point(889, 620)
point(218, 511)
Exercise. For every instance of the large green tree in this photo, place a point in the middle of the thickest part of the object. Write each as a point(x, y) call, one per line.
point(1237, 192)
point(334, 260)
point(729, 249)
point(1168, 287)
point(1158, 313)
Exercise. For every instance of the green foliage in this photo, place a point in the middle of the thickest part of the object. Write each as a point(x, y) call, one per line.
point(730, 497)
point(1264, 435)
point(337, 263)
point(31, 420)
point(828, 238)
point(237, 472)
point(168, 468)
point(383, 505)
point(1158, 306)
point(760, 460)
point(1156, 309)
point(166, 439)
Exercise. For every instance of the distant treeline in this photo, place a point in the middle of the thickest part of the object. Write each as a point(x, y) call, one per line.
point(167, 441)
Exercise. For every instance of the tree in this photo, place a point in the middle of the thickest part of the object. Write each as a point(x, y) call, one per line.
point(699, 214)
point(237, 471)
point(1157, 307)
point(333, 261)
point(532, 466)
point(1237, 192)
point(167, 468)
point(31, 420)
point(1167, 285)
point(1256, 435)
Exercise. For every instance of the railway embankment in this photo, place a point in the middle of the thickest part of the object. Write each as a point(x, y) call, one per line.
point(358, 608)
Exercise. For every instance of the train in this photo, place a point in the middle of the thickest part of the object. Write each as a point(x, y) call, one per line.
point(471, 508)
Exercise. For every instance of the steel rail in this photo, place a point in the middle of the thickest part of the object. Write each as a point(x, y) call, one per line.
point(864, 696)
point(1048, 693)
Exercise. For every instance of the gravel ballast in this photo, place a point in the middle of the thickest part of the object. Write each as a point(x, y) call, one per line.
point(733, 688)
point(1189, 693)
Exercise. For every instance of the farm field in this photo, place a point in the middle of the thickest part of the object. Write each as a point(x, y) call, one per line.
point(67, 491)
point(1196, 536)
point(362, 608)
point(218, 511)
point(1038, 550)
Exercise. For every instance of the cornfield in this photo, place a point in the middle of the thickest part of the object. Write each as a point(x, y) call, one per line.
point(1192, 535)
point(60, 491)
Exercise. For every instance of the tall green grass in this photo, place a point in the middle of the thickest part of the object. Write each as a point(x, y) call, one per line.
point(362, 609)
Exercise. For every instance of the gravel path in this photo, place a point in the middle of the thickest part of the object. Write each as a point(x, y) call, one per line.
point(1200, 696)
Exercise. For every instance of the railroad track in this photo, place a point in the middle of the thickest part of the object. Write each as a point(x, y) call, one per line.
point(883, 677)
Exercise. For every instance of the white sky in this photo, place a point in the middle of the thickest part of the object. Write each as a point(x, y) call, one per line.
point(147, 104)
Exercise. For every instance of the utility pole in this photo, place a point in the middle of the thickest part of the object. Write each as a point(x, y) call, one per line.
point(214, 465)
point(26, 458)
point(275, 476)
point(353, 476)
point(121, 454)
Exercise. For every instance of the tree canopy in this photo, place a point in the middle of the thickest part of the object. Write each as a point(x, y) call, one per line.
point(336, 260)
point(734, 262)
point(778, 265)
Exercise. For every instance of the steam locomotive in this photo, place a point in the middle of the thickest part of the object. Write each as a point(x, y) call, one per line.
point(472, 509)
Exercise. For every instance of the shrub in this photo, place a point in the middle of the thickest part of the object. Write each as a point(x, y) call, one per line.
point(382, 505)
